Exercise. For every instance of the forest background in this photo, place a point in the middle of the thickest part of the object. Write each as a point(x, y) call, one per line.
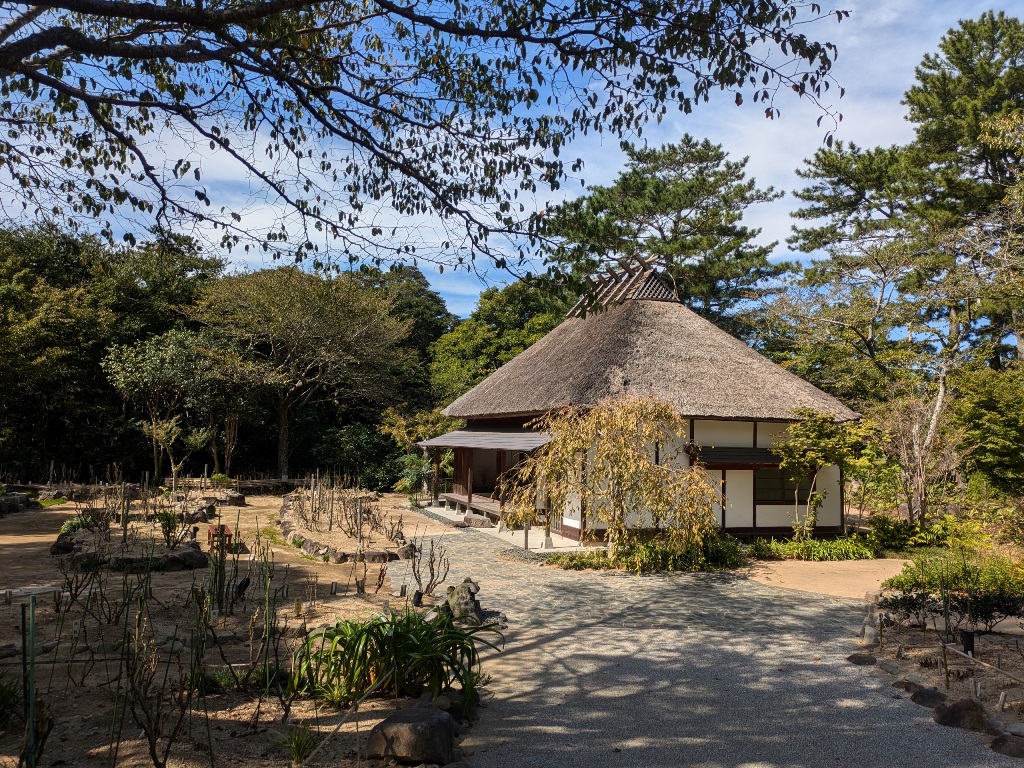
point(155, 356)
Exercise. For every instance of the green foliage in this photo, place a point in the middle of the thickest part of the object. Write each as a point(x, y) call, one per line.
point(52, 502)
point(72, 524)
point(400, 653)
point(892, 534)
point(219, 477)
point(816, 441)
point(416, 470)
point(505, 322)
point(717, 552)
point(299, 742)
point(679, 205)
point(844, 548)
point(308, 336)
point(982, 589)
point(990, 410)
point(589, 560)
point(361, 452)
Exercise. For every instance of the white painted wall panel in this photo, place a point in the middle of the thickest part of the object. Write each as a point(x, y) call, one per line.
point(774, 515)
point(715, 478)
point(739, 498)
point(724, 434)
point(768, 432)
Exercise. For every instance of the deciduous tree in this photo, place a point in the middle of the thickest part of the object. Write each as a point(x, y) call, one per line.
point(358, 121)
point(309, 336)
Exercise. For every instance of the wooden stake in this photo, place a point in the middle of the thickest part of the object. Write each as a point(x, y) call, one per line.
point(334, 587)
point(1002, 701)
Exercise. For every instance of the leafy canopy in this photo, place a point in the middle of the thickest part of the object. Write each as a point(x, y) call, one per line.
point(364, 123)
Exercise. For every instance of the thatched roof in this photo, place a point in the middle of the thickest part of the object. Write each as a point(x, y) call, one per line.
point(649, 346)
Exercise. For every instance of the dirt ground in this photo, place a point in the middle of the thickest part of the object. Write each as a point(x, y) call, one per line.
point(916, 655)
point(74, 679)
point(78, 686)
point(851, 578)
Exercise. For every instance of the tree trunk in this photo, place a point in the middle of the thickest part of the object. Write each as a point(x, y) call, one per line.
point(283, 409)
point(230, 440)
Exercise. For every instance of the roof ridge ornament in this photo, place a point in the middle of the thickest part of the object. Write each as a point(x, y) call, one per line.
point(638, 279)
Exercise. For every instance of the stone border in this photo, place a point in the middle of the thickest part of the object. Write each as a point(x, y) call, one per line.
point(318, 549)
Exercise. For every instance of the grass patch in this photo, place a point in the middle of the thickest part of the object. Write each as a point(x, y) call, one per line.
point(271, 534)
point(402, 652)
point(854, 547)
point(52, 502)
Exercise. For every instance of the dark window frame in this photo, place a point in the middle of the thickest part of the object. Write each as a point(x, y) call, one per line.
point(779, 487)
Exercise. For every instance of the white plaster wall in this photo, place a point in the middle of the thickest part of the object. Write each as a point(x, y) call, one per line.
point(739, 498)
point(724, 434)
point(831, 510)
point(770, 431)
point(715, 478)
point(774, 515)
point(673, 453)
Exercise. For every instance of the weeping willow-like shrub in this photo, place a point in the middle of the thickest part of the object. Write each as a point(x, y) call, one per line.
point(624, 460)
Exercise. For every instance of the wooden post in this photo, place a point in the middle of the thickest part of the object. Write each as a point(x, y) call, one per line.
point(469, 480)
point(435, 490)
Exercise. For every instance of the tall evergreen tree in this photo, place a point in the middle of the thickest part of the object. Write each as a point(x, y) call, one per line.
point(682, 206)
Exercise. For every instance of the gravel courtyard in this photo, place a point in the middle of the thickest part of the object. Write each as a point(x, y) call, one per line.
point(708, 670)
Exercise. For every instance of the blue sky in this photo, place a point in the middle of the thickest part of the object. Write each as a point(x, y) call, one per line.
point(879, 46)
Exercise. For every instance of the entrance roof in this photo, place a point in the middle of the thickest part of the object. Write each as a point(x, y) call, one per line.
point(494, 439)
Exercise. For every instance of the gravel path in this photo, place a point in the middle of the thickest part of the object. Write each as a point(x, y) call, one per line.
point(708, 670)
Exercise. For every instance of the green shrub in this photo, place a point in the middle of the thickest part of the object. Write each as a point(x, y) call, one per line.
point(891, 534)
point(658, 556)
point(72, 524)
point(979, 589)
point(219, 477)
point(592, 560)
point(404, 650)
point(299, 742)
point(845, 548)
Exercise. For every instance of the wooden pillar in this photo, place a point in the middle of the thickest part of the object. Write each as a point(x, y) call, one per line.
point(469, 479)
point(435, 490)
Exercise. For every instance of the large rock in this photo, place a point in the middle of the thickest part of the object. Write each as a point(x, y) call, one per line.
point(186, 559)
point(67, 543)
point(929, 697)
point(463, 603)
point(474, 520)
point(1011, 746)
point(406, 552)
point(969, 714)
point(374, 556)
point(414, 736)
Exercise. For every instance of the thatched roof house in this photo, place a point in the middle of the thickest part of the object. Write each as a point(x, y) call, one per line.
point(639, 339)
point(644, 343)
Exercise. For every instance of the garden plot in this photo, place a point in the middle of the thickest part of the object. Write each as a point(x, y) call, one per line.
point(211, 645)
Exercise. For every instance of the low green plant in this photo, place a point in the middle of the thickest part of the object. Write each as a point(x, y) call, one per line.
point(300, 743)
point(590, 560)
point(10, 700)
point(893, 534)
point(399, 653)
point(656, 555)
point(45, 503)
point(72, 525)
point(219, 477)
point(981, 589)
point(844, 548)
